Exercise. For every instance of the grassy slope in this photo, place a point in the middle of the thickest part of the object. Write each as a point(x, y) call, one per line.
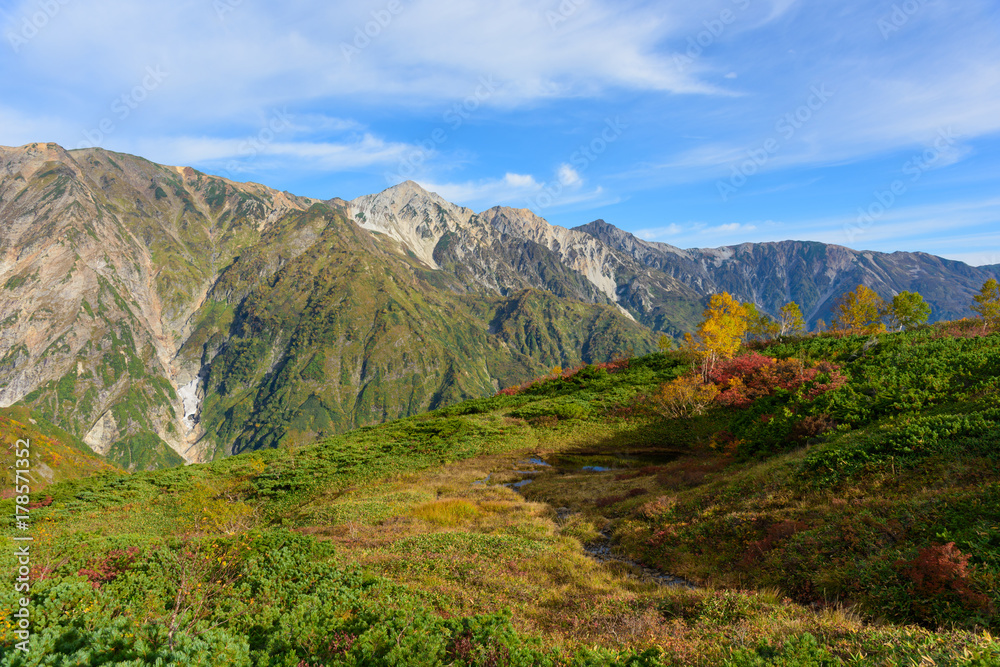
point(55, 454)
point(776, 534)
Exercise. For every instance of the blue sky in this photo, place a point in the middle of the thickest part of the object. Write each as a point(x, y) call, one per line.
point(874, 124)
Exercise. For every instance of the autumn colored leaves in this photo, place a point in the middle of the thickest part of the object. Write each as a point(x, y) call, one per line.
point(728, 324)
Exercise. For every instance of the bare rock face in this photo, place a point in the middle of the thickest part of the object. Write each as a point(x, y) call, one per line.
point(103, 434)
point(103, 260)
point(504, 250)
point(407, 213)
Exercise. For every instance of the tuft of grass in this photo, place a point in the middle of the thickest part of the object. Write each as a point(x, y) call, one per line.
point(448, 512)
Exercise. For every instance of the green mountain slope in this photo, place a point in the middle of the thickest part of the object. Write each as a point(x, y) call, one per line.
point(346, 334)
point(108, 257)
point(163, 315)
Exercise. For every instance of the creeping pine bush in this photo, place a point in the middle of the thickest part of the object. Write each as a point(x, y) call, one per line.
point(906, 442)
point(559, 408)
point(265, 598)
point(802, 651)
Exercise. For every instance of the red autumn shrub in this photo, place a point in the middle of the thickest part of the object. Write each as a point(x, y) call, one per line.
point(607, 501)
point(104, 570)
point(836, 379)
point(746, 378)
point(742, 366)
point(810, 427)
point(943, 571)
point(45, 502)
point(970, 327)
point(615, 366)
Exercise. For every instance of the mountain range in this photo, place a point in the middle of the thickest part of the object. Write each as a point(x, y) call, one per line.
point(164, 315)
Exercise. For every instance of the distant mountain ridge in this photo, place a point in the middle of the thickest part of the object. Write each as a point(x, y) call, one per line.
point(812, 274)
point(162, 314)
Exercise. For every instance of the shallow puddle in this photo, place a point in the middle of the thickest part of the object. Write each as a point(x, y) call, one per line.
point(598, 462)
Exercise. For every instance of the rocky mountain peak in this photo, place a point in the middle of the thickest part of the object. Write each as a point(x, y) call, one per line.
point(30, 159)
point(411, 215)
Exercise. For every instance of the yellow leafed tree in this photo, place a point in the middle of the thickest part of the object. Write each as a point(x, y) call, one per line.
point(760, 325)
point(685, 396)
point(790, 319)
point(987, 303)
point(860, 311)
point(721, 331)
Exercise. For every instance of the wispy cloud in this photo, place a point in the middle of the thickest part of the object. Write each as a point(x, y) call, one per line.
point(659, 233)
point(366, 151)
point(511, 189)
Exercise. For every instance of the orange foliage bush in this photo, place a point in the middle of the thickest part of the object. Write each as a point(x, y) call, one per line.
point(685, 396)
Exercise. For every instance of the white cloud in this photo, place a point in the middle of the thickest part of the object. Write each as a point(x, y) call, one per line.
point(978, 258)
point(729, 228)
point(520, 181)
point(657, 233)
point(365, 151)
point(512, 189)
point(971, 227)
point(19, 128)
point(568, 175)
point(519, 191)
point(432, 51)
